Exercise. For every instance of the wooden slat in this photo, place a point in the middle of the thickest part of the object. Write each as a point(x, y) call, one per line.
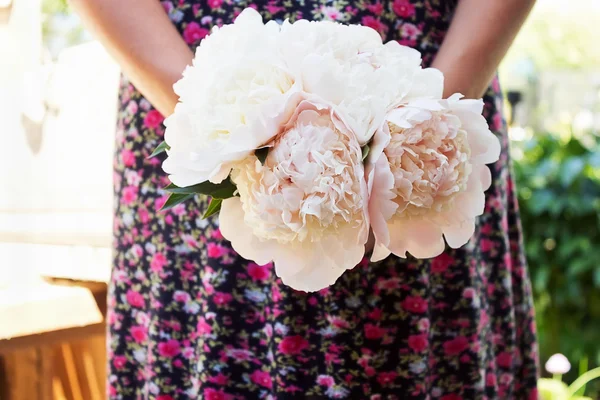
point(28, 374)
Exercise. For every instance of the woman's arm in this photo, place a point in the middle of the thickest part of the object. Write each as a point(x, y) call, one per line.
point(479, 36)
point(140, 36)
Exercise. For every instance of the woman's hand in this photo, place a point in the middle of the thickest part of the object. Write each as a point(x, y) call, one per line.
point(480, 34)
point(140, 36)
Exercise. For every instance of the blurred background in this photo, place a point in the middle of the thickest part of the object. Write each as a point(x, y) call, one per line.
point(56, 196)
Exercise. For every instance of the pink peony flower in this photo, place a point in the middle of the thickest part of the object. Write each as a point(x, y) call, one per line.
point(305, 208)
point(428, 176)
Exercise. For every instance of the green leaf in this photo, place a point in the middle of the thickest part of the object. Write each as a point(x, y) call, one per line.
point(262, 154)
point(161, 148)
point(213, 208)
point(570, 170)
point(175, 199)
point(223, 190)
point(365, 151)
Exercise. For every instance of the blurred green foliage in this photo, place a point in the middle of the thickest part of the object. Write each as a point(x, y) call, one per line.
point(558, 180)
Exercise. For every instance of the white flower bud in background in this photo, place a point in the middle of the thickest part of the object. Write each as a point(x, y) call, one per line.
point(558, 364)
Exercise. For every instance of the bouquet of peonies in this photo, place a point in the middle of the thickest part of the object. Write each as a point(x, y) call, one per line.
point(309, 135)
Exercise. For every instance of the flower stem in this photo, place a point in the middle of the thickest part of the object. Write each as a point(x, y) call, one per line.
point(583, 380)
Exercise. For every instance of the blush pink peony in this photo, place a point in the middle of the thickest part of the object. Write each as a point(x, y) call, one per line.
point(428, 176)
point(306, 207)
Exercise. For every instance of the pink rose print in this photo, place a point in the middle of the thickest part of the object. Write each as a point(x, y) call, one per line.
point(215, 250)
point(221, 298)
point(219, 379)
point(128, 157)
point(139, 333)
point(415, 304)
point(135, 299)
point(159, 260)
point(325, 380)
point(292, 345)
point(169, 349)
point(203, 328)
point(164, 397)
point(214, 3)
point(193, 33)
point(418, 342)
point(386, 378)
point(129, 195)
point(262, 378)
point(451, 397)
point(119, 362)
point(153, 119)
point(376, 8)
point(403, 8)
point(441, 263)
point(504, 360)
point(258, 272)
point(374, 23)
point(212, 394)
point(373, 331)
point(456, 345)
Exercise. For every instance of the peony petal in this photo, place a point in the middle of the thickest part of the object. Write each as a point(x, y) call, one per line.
point(459, 234)
point(428, 83)
point(234, 228)
point(421, 238)
point(381, 204)
point(380, 252)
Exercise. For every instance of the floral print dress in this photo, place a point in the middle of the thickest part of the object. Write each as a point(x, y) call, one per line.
point(190, 319)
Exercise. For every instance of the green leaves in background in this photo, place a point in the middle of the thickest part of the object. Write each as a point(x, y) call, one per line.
point(558, 185)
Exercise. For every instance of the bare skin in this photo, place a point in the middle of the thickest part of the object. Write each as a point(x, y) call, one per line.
point(480, 34)
point(153, 55)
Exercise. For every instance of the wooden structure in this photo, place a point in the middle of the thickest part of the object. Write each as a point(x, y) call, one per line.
point(52, 338)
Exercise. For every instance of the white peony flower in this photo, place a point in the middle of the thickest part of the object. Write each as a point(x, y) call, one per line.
point(427, 176)
point(233, 100)
point(306, 207)
point(349, 67)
